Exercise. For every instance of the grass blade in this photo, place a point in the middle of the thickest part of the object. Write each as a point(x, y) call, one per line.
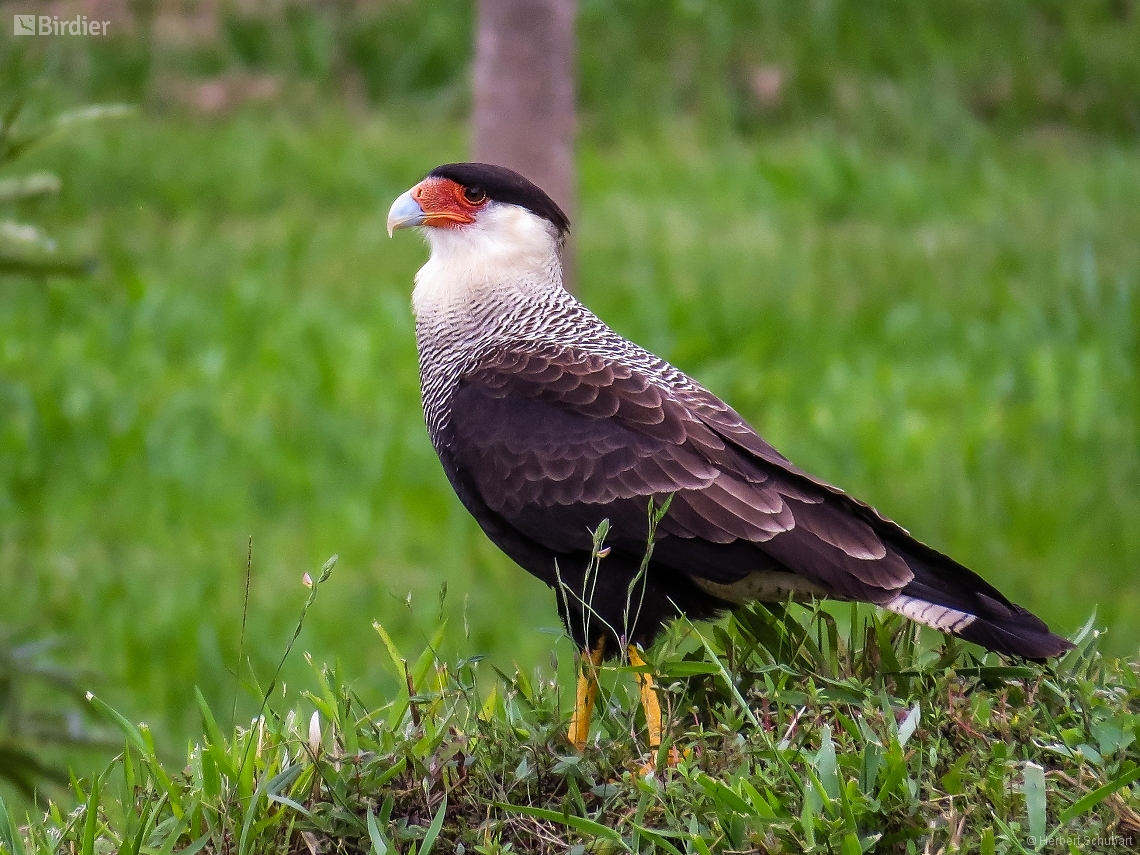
point(244, 842)
point(91, 819)
point(9, 834)
point(657, 839)
point(1034, 787)
point(728, 681)
point(145, 826)
point(434, 828)
point(910, 725)
point(134, 736)
point(1088, 802)
point(174, 836)
point(196, 847)
point(723, 794)
point(379, 844)
point(578, 823)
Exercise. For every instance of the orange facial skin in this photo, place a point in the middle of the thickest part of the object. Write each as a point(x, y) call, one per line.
point(444, 204)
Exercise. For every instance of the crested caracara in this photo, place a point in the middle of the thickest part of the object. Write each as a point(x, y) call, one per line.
point(547, 422)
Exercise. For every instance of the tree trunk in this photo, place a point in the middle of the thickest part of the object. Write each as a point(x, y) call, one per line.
point(524, 93)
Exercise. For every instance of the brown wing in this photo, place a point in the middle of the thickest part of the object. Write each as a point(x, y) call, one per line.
point(554, 439)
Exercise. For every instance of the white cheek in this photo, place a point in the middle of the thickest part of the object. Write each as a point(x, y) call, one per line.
point(506, 247)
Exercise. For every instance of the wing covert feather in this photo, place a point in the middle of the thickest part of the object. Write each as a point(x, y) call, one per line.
point(553, 437)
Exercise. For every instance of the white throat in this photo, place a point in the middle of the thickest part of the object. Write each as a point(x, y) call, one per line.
point(507, 248)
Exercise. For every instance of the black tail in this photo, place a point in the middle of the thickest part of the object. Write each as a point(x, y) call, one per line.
point(997, 623)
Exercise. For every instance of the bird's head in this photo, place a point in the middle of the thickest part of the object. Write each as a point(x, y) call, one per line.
point(485, 224)
point(458, 196)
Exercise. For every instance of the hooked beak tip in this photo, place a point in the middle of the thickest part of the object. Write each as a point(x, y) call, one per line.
point(405, 213)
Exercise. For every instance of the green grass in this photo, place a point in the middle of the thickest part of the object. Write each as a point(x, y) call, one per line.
point(944, 324)
point(792, 734)
point(880, 65)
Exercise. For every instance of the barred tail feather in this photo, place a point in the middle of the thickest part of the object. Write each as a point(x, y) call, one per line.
point(948, 597)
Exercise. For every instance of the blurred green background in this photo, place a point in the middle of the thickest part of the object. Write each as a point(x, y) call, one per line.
point(902, 238)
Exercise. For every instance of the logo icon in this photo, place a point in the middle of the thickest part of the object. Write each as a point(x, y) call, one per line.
point(24, 25)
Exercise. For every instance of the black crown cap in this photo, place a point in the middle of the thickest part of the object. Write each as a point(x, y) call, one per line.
point(505, 185)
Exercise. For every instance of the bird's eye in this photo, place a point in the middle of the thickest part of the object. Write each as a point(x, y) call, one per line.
point(475, 195)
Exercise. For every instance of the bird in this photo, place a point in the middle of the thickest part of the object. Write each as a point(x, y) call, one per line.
point(553, 428)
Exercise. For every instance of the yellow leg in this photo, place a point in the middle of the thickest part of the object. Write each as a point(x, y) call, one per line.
point(653, 722)
point(585, 696)
point(649, 701)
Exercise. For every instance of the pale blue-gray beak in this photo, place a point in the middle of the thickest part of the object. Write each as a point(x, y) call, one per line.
point(405, 213)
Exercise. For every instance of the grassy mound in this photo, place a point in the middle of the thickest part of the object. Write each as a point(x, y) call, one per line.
point(794, 731)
